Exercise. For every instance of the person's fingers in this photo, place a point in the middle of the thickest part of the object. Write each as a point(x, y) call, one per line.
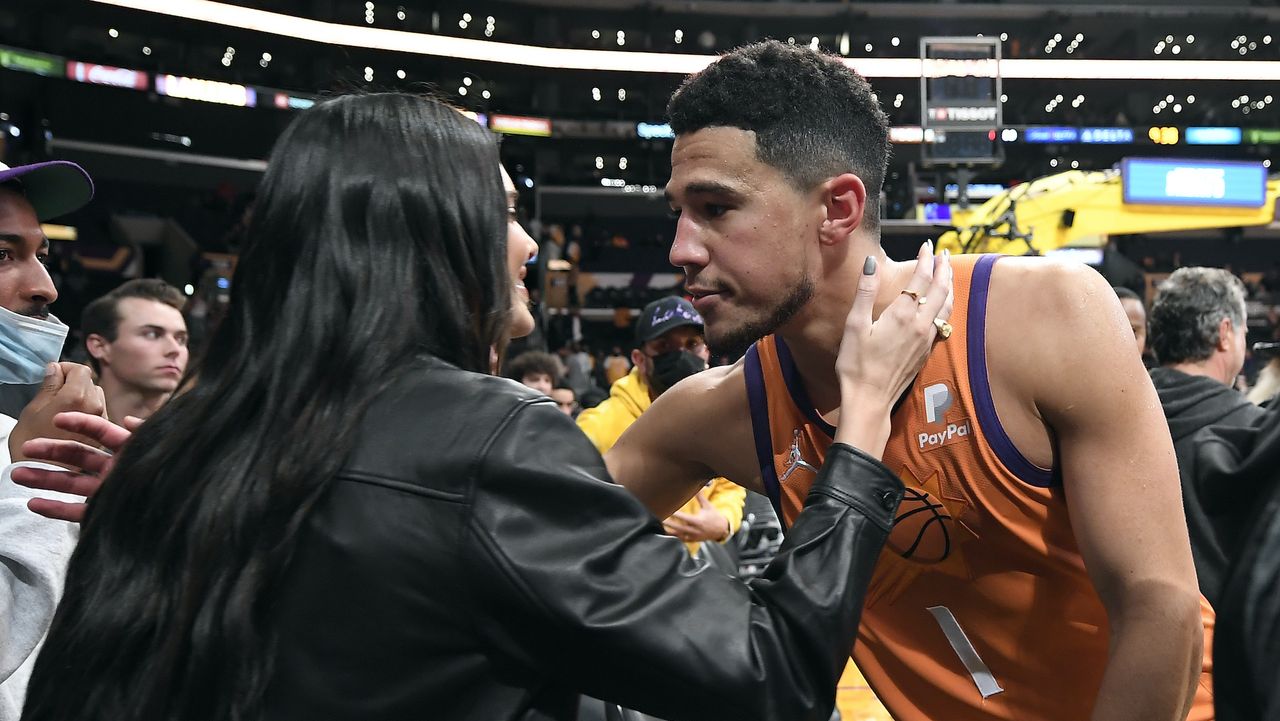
point(79, 392)
point(57, 510)
point(940, 291)
point(703, 499)
point(53, 378)
point(72, 453)
point(864, 299)
point(132, 423)
point(111, 436)
point(918, 285)
point(681, 517)
point(77, 484)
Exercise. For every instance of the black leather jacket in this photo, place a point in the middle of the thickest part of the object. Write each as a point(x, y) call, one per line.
point(473, 561)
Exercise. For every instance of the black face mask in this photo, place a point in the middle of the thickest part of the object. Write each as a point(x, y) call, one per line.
point(673, 367)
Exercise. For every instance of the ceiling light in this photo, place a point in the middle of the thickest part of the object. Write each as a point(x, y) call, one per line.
point(485, 94)
point(146, 50)
point(466, 81)
point(400, 74)
point(894, 42)
point(113, 33)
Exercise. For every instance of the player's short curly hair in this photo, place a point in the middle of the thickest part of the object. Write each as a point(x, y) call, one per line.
point(813, 116)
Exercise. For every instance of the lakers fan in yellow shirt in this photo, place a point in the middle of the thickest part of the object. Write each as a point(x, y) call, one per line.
point(669, 348)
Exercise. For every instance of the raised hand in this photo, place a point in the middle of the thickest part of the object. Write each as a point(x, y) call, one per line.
point(879, 358)
point(90, 464)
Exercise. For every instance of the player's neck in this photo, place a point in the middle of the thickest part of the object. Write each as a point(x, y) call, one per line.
point(814, 335)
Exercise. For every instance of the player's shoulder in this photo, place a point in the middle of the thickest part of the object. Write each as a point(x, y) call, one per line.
point(1034, 291)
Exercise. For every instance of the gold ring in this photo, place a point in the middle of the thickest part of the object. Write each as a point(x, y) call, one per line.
point(919, 299)
point(944, 328)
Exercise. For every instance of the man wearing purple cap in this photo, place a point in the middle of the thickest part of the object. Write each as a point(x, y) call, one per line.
point(33, 549)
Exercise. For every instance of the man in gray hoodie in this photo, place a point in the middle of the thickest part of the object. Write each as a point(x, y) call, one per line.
point(1198, 334)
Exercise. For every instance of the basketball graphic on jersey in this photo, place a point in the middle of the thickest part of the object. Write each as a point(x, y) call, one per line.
point(921, 530)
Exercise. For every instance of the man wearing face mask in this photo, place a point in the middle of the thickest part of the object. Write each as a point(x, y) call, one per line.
point(33, 549)
point(669, 349)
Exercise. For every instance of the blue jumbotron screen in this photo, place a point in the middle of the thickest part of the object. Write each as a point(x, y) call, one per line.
point(1220, 183)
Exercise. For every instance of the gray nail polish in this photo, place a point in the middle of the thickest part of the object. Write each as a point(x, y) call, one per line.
point(869, 267)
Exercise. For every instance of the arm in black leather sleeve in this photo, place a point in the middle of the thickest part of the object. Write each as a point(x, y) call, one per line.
point(572, 579)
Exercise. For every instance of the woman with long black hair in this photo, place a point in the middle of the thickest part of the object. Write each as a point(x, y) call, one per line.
point(345, 516)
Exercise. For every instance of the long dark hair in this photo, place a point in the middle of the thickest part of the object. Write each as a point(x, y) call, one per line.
point(379, 235)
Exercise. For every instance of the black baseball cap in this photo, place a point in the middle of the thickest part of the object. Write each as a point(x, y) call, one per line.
point(53, 188)
point(664, 314)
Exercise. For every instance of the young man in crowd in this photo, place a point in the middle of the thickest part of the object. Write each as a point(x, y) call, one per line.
point(137, 343)
point(1039, 567)
point(540, 371)
point(566, 400)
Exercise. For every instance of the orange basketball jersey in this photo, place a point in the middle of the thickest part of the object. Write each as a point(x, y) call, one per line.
point(980, 606)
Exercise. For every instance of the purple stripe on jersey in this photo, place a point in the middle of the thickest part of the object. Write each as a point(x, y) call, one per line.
point(1000, 442)
point(760, 429)
point(795, 386)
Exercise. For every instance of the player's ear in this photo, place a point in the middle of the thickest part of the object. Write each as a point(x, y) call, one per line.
point(845, 201)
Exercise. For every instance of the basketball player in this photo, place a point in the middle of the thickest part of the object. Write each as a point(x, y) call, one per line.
point(1042, 568)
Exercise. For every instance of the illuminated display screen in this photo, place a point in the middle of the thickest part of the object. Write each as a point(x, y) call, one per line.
point(209, 91)
point(1194, 182)
point(1213, 136)
point(1051, 135)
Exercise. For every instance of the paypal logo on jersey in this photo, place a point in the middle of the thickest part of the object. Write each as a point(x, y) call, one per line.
point(937, 399)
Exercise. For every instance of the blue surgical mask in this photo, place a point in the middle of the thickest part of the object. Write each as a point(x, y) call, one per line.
point(27, 345)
